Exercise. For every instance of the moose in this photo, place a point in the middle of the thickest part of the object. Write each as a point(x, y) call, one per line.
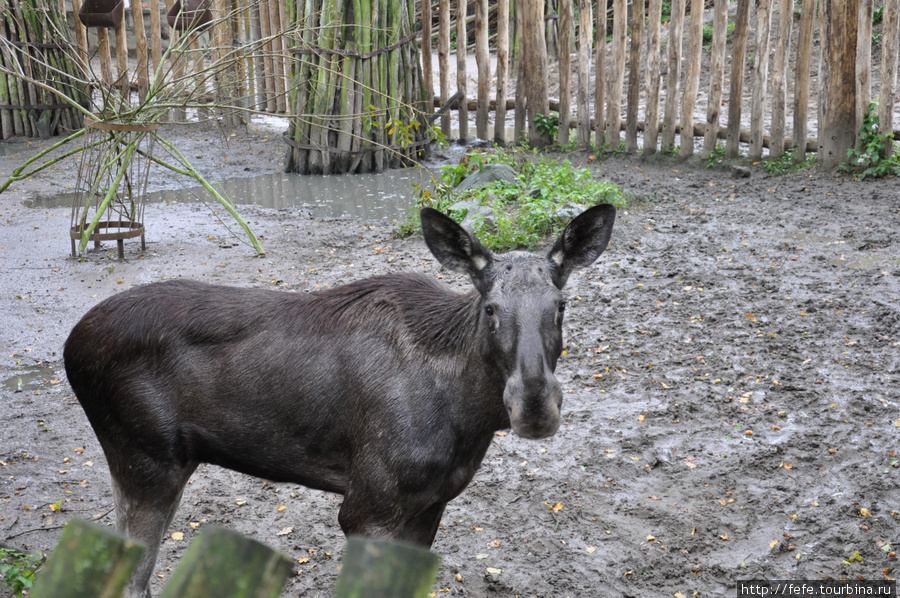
point(387, 390)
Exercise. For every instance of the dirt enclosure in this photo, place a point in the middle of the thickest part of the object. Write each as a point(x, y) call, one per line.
point(731, 404)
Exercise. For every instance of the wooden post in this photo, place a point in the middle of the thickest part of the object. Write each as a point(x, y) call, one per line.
point(801, 77)
point(105, 53)
point(265, 30)
point(155, 35)
point(673, 52)
point(88, 561)
point(837, 129)
point(426, 57)
point(275, 29)
point(585, 22)
point(482, 60)
point(379, 568)
point(634, 76)
point(81, 43)
point(600, 73)
point(617, 76)
point(692, 79)
point(736, 89)
point(444, 60)
point(534, 68)
point(122, 79)
point(779, 87)
point(225, 564)
point(566, 16)
point(760, 78)
point(864, 60)
point(651, 126)
point(890, 32)
point(502, 70)
point(461, 79)
point(716, 77)
point(140, 44)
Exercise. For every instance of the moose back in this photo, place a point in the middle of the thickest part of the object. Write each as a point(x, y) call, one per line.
point(387, 390)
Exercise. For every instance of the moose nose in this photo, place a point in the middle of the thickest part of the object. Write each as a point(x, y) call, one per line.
point(533, 406)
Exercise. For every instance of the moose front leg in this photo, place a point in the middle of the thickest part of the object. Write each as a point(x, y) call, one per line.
point(388, 515)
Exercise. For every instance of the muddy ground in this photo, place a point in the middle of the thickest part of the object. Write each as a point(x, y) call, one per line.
point(731, 407)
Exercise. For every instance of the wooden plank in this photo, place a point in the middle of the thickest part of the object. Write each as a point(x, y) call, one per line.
point(736, 89)
point(801, 77)
point(673, 81)
point(482, 61)
point(716, 77)
point(600, 73)
point(380, 568)
point(617, 74)
point(634, 76)
point(225, 564)
point(837, 127)
point(89, 561)
point(566, 18)
point(864, 60)
point(779, 68)
point(651, 128)
point(692, 79)
point(585, 32)
point(502, 70)
point(760, 78)
point(890, 32)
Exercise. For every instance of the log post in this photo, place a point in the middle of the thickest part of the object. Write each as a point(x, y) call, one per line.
point(444, 60)
point(651, 127)
point(801, 77)
point(692, 79)
point(837, 129)
point(534, 68)
point(736, 89)
point(585, 21)
point(760, 78)
point(634, 76)
point(673, 82)
point(617, 76)
point(502, 70)
point(482, 60)
point(864, 60)
point(779, 86)
point(566, 16)
point(600, 73)
point(379, 568)
point(890, 33)
point(461, 79)
point(716, 77)
point(426, 57)
point(140, 44)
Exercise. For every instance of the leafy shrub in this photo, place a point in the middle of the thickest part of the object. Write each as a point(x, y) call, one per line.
point(867, 159)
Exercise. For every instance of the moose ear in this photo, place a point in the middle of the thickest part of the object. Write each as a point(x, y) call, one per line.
point(455, 247)
point(582, 242)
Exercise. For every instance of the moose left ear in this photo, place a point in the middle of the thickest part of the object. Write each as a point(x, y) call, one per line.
point(582, 242)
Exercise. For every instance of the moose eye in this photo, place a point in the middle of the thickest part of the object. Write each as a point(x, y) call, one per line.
point(562, 306)
point(489, 310)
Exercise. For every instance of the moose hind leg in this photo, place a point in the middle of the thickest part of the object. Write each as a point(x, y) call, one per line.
point(144, 513)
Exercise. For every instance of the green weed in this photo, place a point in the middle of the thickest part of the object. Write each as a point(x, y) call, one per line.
point(546, 194)
point(867, 159)
point(17, 570)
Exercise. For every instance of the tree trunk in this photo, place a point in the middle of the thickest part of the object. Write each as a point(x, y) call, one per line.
point(837, 130)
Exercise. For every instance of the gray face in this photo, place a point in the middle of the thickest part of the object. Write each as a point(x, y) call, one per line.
point(524, 314)
point(523, 306)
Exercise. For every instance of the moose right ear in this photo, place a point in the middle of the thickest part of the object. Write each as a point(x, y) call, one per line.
point(456, 248)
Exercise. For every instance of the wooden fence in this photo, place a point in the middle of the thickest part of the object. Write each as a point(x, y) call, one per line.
point(745, 72)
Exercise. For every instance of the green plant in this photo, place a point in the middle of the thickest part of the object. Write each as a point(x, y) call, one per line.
point(716, 157)
point(547, 124)
point(521, 213)
point(867, 158)
point(787, 162)
point(17, 570)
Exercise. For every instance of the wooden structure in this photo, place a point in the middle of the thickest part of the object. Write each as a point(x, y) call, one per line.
point(751, 73)
point(90, 561)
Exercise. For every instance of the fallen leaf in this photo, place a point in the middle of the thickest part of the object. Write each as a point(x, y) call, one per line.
point(689, 464)
point(590, 549)
point(178, 536)
point(481, 556)
point(865, 512)
point(285, 531)
point(281, 508)
point(493, 571)
point(650, 537)
point(773, 543)
point(723, 536)
point(303, 559)
point(641, 418)
point(194, 525)
point(240, 502)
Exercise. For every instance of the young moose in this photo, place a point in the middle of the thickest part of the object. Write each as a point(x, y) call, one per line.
point(387, 390)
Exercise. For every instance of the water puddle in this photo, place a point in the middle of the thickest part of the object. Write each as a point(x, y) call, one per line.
point(867, 262)
point(31, 377)
point(368, 196)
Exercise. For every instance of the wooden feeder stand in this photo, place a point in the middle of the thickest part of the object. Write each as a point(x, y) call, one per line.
point(105, 159)
point(102, 13)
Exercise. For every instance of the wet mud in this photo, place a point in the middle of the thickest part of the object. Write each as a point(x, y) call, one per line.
point(731, 406)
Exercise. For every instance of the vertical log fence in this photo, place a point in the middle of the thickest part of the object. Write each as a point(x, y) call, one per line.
point(749, 72)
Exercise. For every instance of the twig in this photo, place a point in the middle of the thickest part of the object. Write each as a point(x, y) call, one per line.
point(49, 527)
